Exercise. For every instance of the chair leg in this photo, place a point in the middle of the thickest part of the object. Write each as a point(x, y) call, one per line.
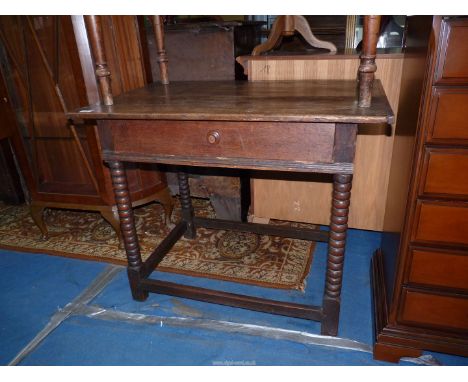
point(37, 213)
point(111, 215)
point(336, 252)
point(164, 197)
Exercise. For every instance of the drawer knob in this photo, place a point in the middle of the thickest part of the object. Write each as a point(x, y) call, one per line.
point(213, 137)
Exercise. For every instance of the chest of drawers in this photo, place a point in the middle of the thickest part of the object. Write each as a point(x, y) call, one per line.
point(421, 288)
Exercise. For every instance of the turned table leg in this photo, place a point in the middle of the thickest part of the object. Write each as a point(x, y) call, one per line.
point(128, 230)
point(336, 251)
point(186, 204)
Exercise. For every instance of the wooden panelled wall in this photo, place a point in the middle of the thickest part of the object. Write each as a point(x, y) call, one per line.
point(298, 200)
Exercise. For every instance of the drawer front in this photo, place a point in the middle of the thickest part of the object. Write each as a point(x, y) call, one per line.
point(446, 172)
point(308, 142)
point(452, 66)
point(441, 223)
point(449, 114)
point(439, 311)
point(439, 268)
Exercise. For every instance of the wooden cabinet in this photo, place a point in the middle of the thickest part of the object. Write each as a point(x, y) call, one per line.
point(451, 65)
point(420, 273)
point(430, 267)
point(448, 114)
point(11, 190)
point(49, 70)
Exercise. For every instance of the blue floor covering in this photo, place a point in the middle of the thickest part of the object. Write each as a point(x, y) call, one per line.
point(35, 286)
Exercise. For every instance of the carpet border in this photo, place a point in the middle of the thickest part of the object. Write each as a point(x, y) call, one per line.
point(300, 284)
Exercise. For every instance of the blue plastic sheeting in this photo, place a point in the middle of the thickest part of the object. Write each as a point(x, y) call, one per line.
point(355, 321)
point(32, 288)
point(85, 341)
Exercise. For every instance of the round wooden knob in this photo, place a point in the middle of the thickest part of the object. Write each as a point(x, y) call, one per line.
point(213, 137)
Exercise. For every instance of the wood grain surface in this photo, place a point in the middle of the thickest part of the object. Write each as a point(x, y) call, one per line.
point(281, 101)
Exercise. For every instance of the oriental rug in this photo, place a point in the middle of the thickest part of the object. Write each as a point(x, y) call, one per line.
point(247, 258)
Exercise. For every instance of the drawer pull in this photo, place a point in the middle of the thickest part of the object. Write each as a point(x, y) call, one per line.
point(213, 137)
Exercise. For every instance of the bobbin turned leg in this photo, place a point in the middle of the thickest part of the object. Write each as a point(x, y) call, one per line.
point(336, 250)
point(186, 203)
point(127, 227)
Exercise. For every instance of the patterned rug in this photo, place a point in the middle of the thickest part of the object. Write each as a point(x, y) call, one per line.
point(247, 258)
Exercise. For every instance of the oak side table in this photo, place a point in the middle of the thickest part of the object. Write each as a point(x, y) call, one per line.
point(290, 126)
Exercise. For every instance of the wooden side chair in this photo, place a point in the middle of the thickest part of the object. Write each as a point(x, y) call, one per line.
point(103, 74)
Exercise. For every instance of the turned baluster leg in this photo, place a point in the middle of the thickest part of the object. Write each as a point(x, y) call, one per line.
point(128, 230)
point(94, 29)
point(336, 251)
point(368, 67)
point(158, 26)
point(186, 204)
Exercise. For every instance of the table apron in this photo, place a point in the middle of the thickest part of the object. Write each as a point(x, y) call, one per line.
point(276, 146)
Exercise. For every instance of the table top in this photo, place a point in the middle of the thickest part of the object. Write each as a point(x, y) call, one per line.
point(333, 101)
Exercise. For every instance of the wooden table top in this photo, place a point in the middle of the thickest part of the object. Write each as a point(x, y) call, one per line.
point(332, 101)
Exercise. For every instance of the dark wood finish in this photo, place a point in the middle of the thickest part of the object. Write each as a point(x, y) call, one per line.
point(207, 47)
point(392, 353)
point(263, 229)
point(449, 115)
point(420, 273)
point(127, 227)
point(434, 310)
point(367, 67)
point(285, 126)
point(259, 141)
point(385, 349)
point(186, 204)
point(431, 267)
point(93, 26)
point(237, 300)
point(11, 190)
point(442, 169)
point(158, 28)
point(238, 163)
point(49, 69)
point(345, 143)
point(336, 251)
point(163, 248)
point(127, 224)
point(118, 145)
point(326, 101)
point(451, 66)
point(444, 223)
